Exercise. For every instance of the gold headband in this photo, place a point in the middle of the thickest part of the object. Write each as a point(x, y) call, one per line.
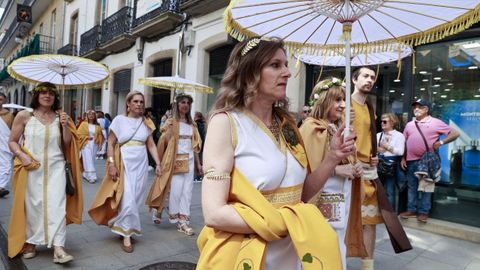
point(45, 89)
point(252, 43)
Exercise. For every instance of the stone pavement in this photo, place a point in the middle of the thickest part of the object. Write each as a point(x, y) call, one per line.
point(96, 247)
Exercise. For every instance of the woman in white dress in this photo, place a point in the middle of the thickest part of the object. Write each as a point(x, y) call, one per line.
point(256, 173)
point(41, 209)
point(129, 139)
point(180, 142)
point(335, 199)
point(104, 124)
point(91, 139)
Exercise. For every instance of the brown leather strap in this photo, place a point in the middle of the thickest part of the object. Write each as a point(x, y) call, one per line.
point(423, 137)
point(373, 127)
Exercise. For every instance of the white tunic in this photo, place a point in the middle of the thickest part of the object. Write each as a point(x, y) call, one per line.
point(181, 186)
point(45, 198)
point(89, 152)
point(135, 163)
point(268, 165)
point(102, 122)
point(5, 155)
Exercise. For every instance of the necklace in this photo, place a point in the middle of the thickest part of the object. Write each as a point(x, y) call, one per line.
point(275, 129)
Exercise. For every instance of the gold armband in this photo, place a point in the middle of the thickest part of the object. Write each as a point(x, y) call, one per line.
point(210, 174)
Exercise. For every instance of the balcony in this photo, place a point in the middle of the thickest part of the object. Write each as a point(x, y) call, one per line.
point(38, 44)
point(90, 44)
point(69, 49)
point(116, 31)
point(197, 8)
point(159, 20)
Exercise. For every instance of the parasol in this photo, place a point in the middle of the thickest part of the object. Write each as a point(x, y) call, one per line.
point(59, 69)
point(326, 26)
point(15, 106)
point(175, 83)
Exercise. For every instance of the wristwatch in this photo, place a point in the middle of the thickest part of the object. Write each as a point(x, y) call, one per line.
point(110, 160)
point(441, 142)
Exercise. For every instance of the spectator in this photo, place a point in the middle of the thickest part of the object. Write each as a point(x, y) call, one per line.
point(422, 127)
point(391, 145)
point(304, 115)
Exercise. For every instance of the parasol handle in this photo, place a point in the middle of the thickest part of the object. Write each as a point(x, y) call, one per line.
point(347, 28)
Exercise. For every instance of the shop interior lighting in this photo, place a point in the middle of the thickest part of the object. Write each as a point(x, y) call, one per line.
point(396, 80)
point(443, 96)
point(452, 100)
point(446, 89)
point(471, 45)
point(392, 91)
point(422, 89)
point(477, 96)
point(403, 94)
point(439, 68)
point(450, 84)
point(423, 72)
point(435, 93)
point(425, 80)
point(473, 67)
point(436, 85)
point(437, 78)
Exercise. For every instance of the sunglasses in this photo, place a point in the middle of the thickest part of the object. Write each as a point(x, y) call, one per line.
point(384, 121)
point(306, 111)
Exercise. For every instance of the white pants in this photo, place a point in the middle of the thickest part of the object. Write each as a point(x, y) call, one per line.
point(88, 157)
point(181, 189)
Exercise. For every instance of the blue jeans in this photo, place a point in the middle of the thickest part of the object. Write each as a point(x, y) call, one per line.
point(389, 185)
point(413, 194)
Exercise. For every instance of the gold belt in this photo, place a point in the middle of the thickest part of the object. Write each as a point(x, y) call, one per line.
point(134, 143)
point(284, 195)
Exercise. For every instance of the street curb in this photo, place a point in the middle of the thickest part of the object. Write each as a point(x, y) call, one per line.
point(446, 228)
point(9, 264)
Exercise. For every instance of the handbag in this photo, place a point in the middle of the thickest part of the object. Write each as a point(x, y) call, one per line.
point(70, 186)
point(181, 164)
point(429, 165)
point(386, 166)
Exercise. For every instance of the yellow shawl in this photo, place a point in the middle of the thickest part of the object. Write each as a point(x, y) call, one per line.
point(105, 205)
point(315, 241)
point(83, 134)
point(316, 135)
point(168, 146)
point(74, 207)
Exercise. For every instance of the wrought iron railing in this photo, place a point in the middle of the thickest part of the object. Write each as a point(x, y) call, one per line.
point(169, 5)
point(90, 40)
point(69, 49)
point(117, 24)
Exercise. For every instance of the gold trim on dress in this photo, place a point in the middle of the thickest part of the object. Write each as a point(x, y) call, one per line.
point(128, 232)
point(134, 143)
point(284, 195)
point(233, 131)
point(45, 181)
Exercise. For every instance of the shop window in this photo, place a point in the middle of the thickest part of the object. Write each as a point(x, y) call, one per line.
point(448, 76)
point(217, 66)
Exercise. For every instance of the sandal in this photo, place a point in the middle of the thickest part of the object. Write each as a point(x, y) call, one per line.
point(156, 217)
point(62, 258)
point(183, 228)
point(29, 251)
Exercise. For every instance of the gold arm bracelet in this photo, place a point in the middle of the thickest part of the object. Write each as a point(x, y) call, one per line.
point(210, 174)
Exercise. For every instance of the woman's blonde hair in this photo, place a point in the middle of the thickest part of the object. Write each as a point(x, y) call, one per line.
point(393, 118)
point(325, 100)
point(129, 98)
point(241, 80)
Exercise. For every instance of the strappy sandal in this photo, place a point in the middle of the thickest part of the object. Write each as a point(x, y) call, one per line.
point(62, 258)
point(183, 228)
point(156, 217)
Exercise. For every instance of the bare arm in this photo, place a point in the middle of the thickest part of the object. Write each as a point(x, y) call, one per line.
point(67, 135)
point(112, 169)
point(18, 128)
point(451, 136)
point(152, 148)
point(218, 154)
point(339, 149)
